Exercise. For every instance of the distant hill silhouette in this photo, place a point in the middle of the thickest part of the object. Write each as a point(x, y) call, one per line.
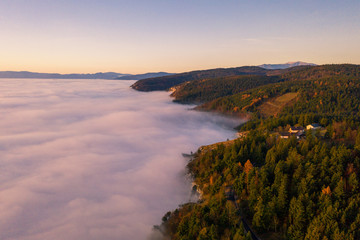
point(166, 82)
point(286, 65)
point(143, 76)
point(99, 75)
point(25, 74)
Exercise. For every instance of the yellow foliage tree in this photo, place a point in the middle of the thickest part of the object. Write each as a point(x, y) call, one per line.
point(248, 166)
point(326, 191)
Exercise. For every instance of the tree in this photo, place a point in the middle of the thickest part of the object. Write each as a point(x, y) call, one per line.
point(203, 235)
point(296, 219)
point(248, 236)
point(282, 196)
point(339, 192)
point(353, 182)
point(357, 141)
point(258, 219)
point(239, 235)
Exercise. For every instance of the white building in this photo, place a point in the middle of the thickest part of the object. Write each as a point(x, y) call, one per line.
point(313, 126)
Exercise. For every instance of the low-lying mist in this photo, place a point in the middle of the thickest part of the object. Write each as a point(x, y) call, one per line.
point(83, 160)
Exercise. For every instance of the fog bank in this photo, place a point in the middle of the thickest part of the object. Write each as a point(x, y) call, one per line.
point(83, 160)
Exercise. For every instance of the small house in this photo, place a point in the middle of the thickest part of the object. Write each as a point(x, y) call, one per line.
point(295, 130)
point(313, 126)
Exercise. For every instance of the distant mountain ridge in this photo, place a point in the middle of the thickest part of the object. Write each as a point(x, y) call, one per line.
point(99, 75)
point(286, 65)
point(26, 74)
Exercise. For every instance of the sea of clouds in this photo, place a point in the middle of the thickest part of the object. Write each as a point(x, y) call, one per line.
point(93, 159)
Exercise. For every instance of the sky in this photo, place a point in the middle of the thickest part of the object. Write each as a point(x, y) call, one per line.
point(138, 36)
point(89, 160)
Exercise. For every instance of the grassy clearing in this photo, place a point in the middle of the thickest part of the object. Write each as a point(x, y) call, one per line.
point(273, 106)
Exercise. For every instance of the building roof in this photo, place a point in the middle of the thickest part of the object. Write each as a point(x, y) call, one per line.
point(296, 128)
point(299, 134)
point(315, 125)
point(285, 134)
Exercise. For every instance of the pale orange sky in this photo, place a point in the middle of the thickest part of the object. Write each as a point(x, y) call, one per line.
point(139, 36)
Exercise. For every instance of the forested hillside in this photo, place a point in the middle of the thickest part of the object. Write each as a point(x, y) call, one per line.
point(166, 82)
point(287, 189)
point(331, 90)
point(200, 91)
point(204, 90)
point(295, 188)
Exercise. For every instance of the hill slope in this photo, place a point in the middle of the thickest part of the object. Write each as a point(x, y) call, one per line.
point(166, 82)
point(203, 90)
point(312, 83)
point(144, 76)
point(200, 91)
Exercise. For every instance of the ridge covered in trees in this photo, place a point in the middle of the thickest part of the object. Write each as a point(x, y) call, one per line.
point(204, 90)
point(166, 82)
point(292, 188)
point(328, 89)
